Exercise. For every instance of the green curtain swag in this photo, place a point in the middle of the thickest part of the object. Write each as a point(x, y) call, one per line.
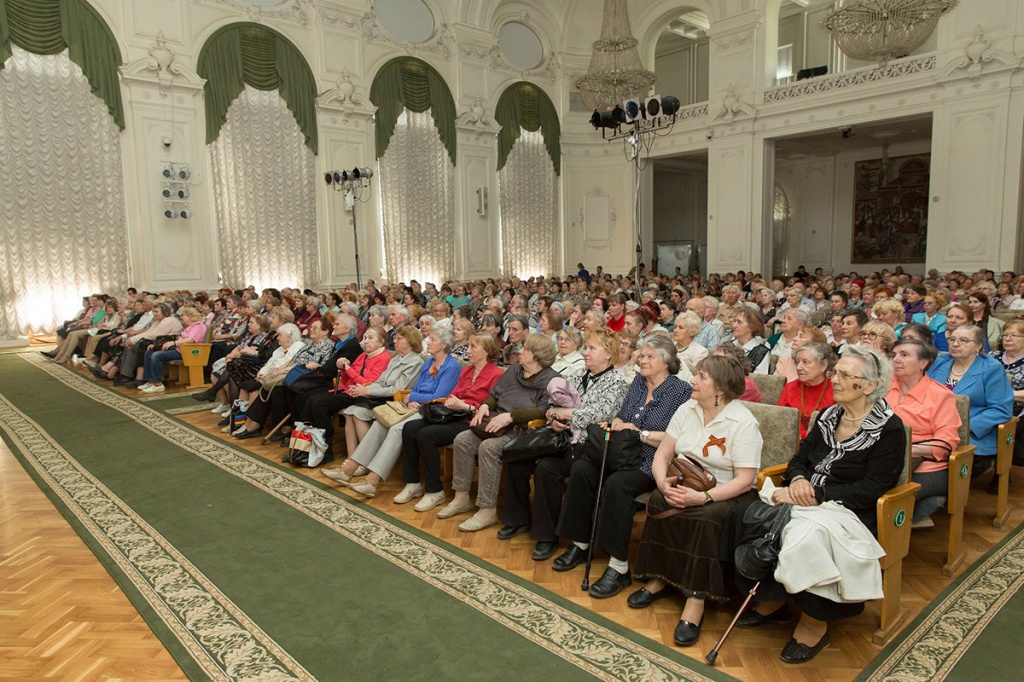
point(50, 26)
point(410, 83)
point(524, 106)
point(247, 53)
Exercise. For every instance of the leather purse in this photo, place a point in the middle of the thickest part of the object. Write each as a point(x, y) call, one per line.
point(392, 412)
point(687, 472)
point(622, 453)
point(542, 441)
point(761, 539)
point(436, 413)
point(481, 432)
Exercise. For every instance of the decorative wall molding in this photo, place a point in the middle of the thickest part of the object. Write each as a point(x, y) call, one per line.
point(338, 15)
point(597, 219)
point(162, 69)
point(731, 106)
point(475, 120)
point(345, 101)
point(894, 69)
point(977, 53)
point(699, 110)
point(441, 43)
point(735, 39)
point(300, 11)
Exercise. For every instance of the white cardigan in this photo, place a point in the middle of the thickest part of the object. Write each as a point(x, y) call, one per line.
point(280, 358)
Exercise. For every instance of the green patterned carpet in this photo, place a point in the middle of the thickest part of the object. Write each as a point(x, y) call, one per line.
point(247, 571)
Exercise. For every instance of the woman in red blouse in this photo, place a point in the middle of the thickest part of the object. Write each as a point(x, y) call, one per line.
point(811, 391)
point(616, 316)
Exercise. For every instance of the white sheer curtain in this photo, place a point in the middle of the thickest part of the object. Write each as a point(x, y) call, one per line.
point(264, 193)
point(62, 216)
point(529, 209)
point(417, 181)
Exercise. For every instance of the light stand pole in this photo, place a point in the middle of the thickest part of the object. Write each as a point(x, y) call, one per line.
point(352, 183)
point(637, 125)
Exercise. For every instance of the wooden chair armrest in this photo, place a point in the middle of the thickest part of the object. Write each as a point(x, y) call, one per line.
point(895, 511)
point(401, 396)
point(961, 460)
point(534, 423)
point(774, 472)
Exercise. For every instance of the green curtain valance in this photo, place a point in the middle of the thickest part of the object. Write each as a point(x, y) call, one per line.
point(249, 53)
point(524, 106)
point(50, 26)
point(410, 83)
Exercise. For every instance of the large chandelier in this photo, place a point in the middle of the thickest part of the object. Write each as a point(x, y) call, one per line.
point(616, 72)
point(880, 30)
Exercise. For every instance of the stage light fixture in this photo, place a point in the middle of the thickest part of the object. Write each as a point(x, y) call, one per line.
point(608, 119)
point(186, 214)
point(184, 173)
point(168, 172)
point(183, 193)
point(653, 107)
point(167, 193)
point(669, 105)
point(633, 110)
point(329, 178)
point(364, 173)
point(170, 214)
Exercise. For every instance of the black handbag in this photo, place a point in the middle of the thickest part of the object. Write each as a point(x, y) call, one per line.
point(542, 441)
point(760, 539)
point(624, 449)
point(436, 413)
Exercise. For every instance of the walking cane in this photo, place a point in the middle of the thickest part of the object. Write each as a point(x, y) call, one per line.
point(713, 654)
point(597, 505)
point(264, 439)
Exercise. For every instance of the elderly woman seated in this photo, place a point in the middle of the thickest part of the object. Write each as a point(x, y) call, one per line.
point(102, 320)
point(890, 311)
point(687, 326)
point(930, 316)
point(401, 373)
point(380, 448)
point(651, 401)
point(811, 391)
point(680, 550)
point(929, 408)
point(518, 327)
point(966, 371)
point(879, 335)
point(241, 365)
point(134, 347)
point(569, 359)
point(1012, 359)
point(463, 330)
point(518, 397)
point(601, 390)
point(786, 365)
point(751, 393)
point(854, 453)
point(625, 363)
point(308, 315)
point(153, 364)
point(747, 331)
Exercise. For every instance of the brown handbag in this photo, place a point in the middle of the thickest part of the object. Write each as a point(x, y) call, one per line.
point(689, 473)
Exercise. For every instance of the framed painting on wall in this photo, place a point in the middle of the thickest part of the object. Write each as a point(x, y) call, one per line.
point(890, 209)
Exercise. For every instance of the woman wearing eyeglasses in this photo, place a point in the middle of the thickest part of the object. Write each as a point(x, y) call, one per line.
point(853, 454)
point(1012, 359)
point(982, 379)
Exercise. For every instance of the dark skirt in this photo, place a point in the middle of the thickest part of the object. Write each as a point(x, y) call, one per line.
point(242, 369)
point(683, 550)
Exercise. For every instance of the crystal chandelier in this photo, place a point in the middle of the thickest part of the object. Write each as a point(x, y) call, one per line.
point(880, 30)
point(616, 72)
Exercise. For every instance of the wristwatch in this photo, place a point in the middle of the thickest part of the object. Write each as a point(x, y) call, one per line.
point(644, 435)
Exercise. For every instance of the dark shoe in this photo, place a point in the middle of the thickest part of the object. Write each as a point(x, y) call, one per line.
point(795, 652)
point(255, 433)
point(204, 396)
point(286, 457)
point(509, 532)
point(280, 436)
point(982, 465)
point(121, 380)
point(687, 633)
point(643, 597)
point(544, 550)
point(285, 442)
point(225, 421)
point(570, 558)
point(610, 584)
point(49, 353)
point(134, 383)
point(98, 373)
point(753, 619)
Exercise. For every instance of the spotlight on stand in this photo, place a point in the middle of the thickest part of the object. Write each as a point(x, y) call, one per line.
point(329, 178)
point(169, 213)
point(167, 193)
point(608, 119)
point(362, 173)
point(186, 214)
point(669, 105)
point(633, 110)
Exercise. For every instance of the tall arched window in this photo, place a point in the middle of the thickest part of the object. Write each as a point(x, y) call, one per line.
point(529, 155)
point(416, 155)
point(62, 219)
point(261, 132)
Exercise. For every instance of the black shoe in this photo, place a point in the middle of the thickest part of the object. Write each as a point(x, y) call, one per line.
point(509, 532)
point(285, 442)
point(570, 558)
point(134, 383)
point(643, 597)
point(687, 633)
point(795, 652)
point(286, 457)
point(610, 584)
point(121, 380)
point(49, 353)
point(255, 433)
point(280, 436)
point(204, 396)
point(225, 421)
point(753, 619)
point(544, 550)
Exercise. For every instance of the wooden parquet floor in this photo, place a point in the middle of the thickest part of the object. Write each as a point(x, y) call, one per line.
point(63, 617)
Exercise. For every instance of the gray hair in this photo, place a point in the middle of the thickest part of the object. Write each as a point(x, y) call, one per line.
point(400, 309)
point(800, 314)
point(664, 346)
point(165, 309)
point(730, 287)
point(877, 368)
point(347, 320)
point(710, 301)
point(976, 332)
point(599, 316)
point(445, 335)
point(379, 311)
point(693, 323)
point(289, 329)
point(521, 319)
point(312, 300)
point(429, 318)
point(822, 352)
point(574, 334)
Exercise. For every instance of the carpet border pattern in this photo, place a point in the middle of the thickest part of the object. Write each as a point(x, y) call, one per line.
point(586, 644)
point(930, 648)
point(219, 637)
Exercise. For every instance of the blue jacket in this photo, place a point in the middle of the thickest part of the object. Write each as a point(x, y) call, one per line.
point(985, 383)
point(429, 388)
